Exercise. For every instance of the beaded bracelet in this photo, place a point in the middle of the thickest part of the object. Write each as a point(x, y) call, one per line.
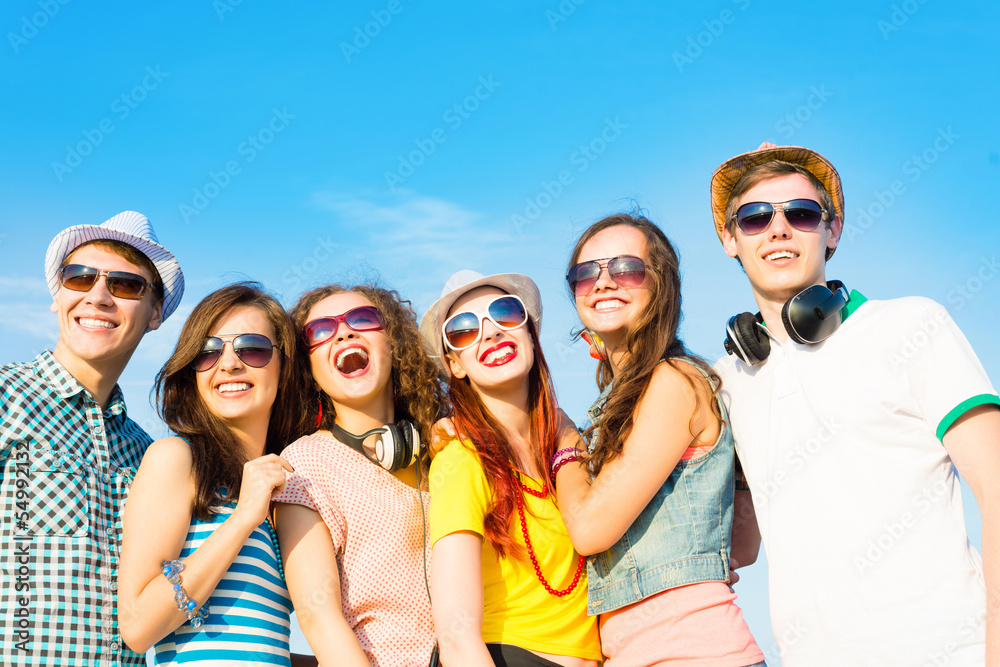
point(568, 450)
point(172, 571)
point(561, 462)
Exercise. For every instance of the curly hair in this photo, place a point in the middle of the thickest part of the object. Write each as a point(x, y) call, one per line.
point(419, 394)
point(650, 339)
point(217, 453)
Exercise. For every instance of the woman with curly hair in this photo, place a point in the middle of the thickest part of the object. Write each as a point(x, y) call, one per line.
point(651, 503)
point(509, 589)
point(200, 566)
point(351, 517)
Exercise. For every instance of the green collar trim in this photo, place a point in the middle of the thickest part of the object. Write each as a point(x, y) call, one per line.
point(854, 301)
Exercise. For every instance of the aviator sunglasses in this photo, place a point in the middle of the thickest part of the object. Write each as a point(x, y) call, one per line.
point(121, 284)
point(802, 214)
point(254, 350)
point(322, 329)
point(463, 330)
point(627, 271)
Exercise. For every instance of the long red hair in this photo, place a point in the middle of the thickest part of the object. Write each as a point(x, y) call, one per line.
point(475, 423)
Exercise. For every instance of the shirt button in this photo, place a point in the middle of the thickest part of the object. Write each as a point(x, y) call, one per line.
point(107, 478)
point(98, 429)
point(110, 531)
point(114, 585)
point(114, 646)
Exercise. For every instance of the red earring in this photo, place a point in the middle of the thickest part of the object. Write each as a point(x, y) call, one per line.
point(319, 413)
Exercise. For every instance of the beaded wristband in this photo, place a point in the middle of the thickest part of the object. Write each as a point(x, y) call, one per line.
point(172, 571)
point(560, 463)
point(568, 450)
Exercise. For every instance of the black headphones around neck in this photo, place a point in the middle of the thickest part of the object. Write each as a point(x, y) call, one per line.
point(809, 317)
point(397, 449)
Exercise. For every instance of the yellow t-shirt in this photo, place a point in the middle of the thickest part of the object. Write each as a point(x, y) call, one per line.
point(517, 608)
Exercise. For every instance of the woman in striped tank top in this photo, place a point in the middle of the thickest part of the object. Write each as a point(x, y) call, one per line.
point(201, 574)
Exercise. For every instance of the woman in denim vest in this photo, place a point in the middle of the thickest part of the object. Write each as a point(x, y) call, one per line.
point(651, 501)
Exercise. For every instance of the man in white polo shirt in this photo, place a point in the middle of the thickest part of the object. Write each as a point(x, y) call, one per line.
point(851, 417)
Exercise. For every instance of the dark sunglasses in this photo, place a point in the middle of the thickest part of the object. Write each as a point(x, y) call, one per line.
point(121, 284)
point(627, 271)
point(802, 214)
point(254, 350)
point(463, 330)
point(322, 329)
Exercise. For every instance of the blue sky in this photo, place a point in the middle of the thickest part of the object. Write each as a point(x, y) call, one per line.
point(405, 140)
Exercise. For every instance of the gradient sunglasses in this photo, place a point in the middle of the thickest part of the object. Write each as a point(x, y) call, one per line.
point(627, 271)
point(322, 329)
point(254, 350)
point(463, 330)
point(802, 214)
point(121, 284)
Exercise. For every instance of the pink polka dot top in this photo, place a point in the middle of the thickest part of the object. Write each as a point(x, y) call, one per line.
point(377, 529)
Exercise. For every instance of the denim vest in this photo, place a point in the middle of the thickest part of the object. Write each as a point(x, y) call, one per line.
point(681, 537)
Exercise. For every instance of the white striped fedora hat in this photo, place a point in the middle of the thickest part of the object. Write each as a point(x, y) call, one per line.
point(128, 227)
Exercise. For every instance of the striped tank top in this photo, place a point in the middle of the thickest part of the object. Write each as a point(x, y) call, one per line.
point(249, 609)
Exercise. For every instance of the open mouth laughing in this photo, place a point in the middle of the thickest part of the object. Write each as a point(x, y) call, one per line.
point(352, 361)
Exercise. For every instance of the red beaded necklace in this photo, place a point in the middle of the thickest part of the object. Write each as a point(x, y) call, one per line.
point(531, 550)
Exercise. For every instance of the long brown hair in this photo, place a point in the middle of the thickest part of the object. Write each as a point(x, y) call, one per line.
point(419, 394)
point(478, 425)
point(652, 337)
point(217, 453)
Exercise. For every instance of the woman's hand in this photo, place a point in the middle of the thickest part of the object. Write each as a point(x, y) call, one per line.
point(442, 433)
point(263, 479)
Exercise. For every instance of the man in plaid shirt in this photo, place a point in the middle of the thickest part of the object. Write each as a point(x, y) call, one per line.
point(68, 452)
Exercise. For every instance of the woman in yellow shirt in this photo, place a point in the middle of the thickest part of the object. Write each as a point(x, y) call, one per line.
point(507, 586)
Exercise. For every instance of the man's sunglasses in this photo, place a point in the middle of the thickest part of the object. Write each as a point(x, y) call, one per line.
point(322, 329)
point(802, 214)
point(121, 284)
point(463, 330)
point(627, 271)
point(254, 350)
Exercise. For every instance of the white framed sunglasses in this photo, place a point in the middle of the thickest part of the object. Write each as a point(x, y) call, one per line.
point(463, 330)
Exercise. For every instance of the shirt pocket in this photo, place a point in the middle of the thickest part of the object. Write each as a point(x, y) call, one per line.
point(59, 495)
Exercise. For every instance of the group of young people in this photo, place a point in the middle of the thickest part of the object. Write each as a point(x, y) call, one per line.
point(418, 497)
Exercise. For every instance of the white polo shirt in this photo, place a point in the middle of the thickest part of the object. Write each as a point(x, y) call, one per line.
point(858, 503)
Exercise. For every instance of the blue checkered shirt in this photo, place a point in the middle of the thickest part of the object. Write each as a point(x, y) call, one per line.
point(65, 470)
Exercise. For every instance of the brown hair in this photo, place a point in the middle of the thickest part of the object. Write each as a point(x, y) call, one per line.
point(651, 338)
point(492, 443)
point(128, 253)
point(777, 169)
point(218, 455)
point(419, 393)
